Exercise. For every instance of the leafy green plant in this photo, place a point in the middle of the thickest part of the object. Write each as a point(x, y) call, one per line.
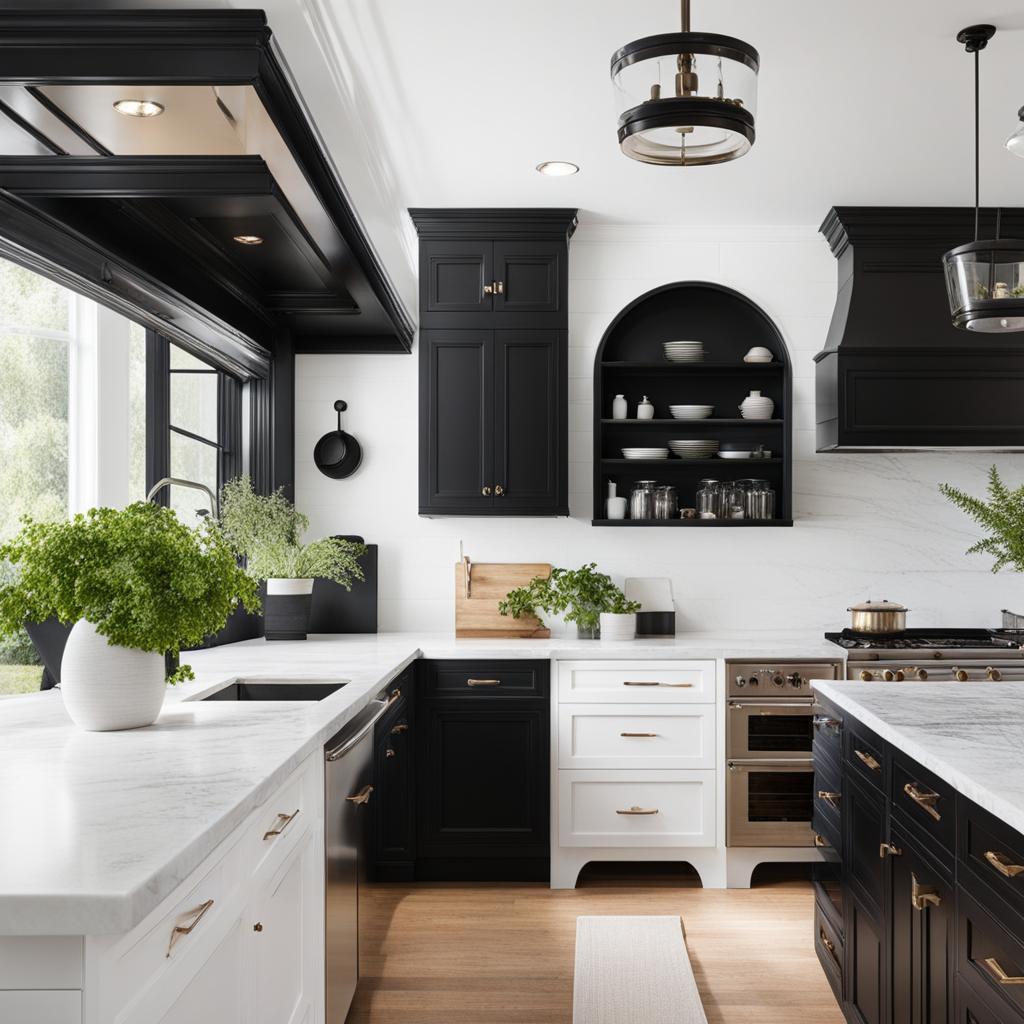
point(1002, 516)
point(267, 529)
point(581, 595)
point(140, 575)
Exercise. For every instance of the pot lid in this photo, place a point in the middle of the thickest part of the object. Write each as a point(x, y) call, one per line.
point(877, 606)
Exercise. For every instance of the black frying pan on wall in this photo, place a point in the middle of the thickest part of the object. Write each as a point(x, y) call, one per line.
point(337, 454)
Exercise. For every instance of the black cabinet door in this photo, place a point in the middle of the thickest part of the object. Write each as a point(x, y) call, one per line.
point(454, 276)
point(530, 421)
point(922, 935)
point(393, 825)
point(483, 781)
point(456, 421)
point(865, 965)
point(866, 845)
point(530, 276)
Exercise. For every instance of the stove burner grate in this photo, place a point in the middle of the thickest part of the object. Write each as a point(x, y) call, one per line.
point(930, 639)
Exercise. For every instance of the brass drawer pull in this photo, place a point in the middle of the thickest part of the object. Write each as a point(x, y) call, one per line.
point(643, 735)
point(1003, 865)
point(868, 760)
point(654, 682)
point(830, 797)
point(926, 801)
point(395, 695)
point(362, 797)
point(820, 840)
point(499, 287)
point(283, 821)
point(197, 914)
point(888, 850)
point(639, 810)
point(401, 727)
point(824, 722)
point(483, 682)
point(827, 942)
point(921, 896)
point(999, 974)
point(489, 289)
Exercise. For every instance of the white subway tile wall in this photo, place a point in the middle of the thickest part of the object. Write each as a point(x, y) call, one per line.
point(866, 525)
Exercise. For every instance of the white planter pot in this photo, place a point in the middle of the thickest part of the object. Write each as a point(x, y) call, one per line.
point(106, 687)
point(618, 627)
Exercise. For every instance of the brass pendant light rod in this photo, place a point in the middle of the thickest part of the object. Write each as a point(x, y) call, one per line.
point(977, 145)
point(685, 14)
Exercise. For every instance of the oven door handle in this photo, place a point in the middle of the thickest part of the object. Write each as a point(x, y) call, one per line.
point(739, 703)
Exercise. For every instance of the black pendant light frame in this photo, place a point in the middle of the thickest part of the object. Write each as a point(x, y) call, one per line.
point(971, 313)
point(672, 111)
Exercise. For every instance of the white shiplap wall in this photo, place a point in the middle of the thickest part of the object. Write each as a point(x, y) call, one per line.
point(867, 525)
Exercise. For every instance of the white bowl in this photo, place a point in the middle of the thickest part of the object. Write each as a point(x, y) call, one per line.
point(758, 354)
point(735, 455)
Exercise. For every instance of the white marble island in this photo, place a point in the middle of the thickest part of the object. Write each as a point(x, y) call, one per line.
point(969, 734)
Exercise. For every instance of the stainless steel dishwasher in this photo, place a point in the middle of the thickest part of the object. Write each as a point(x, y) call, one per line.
point(348, 788)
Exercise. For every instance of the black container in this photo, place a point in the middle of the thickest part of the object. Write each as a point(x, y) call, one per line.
point(286, 616)
point(655, 624)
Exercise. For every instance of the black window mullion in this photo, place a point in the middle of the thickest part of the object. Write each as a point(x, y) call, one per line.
point(158, 412)
point(229, 412)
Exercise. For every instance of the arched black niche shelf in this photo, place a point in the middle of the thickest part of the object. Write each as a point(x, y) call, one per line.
point(630, 361)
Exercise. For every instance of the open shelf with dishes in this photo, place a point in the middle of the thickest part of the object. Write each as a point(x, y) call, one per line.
point(632, 361)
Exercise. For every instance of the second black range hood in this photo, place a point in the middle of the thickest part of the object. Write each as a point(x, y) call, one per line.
point(895, 374)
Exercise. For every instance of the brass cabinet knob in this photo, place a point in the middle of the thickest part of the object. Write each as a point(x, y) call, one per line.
point(867, 676)
point(888, 850)
point(486, 492)
point(499, 287)
point(489, 289)
point(960, 675)
point(258, 926)
point(499, 490)
point(993, 673)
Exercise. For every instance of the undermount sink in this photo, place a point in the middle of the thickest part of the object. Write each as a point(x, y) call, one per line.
point(275, 689)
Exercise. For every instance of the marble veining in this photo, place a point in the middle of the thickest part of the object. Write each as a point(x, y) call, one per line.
point(969, 734)
point(100, 827)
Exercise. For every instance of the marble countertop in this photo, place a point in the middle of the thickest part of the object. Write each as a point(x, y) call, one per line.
point(969, 734)
point(100, 827)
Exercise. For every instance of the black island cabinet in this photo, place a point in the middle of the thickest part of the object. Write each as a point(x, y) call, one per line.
point(919, 906)
point(493, 383)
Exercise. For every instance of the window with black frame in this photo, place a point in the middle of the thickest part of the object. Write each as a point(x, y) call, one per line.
point(194, 425)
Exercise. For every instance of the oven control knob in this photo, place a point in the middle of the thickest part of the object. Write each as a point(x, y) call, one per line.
point(916, 673)
point(867, 676)
point(741, 681)
point(778, 681)
point(993, 673)
point(960, 675)
point(888, 675)
point(754, 681)
point(795, 680)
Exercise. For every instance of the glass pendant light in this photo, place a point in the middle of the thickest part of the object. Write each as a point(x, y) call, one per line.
point(984, 279)
point(685, 98)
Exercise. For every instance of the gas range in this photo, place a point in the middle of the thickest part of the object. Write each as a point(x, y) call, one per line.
point(960, 655)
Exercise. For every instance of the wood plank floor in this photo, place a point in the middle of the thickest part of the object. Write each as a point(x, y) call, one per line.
point(503, 954)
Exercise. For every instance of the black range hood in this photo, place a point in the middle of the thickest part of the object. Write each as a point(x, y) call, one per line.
point(895, 374)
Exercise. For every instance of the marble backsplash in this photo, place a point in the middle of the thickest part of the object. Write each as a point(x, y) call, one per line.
point(866, 525)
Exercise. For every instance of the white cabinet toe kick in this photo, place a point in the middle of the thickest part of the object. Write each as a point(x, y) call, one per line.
point(639, 774)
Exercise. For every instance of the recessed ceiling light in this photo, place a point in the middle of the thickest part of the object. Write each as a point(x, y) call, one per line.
point(249, 239)
point(139, 108)
point(557, 168)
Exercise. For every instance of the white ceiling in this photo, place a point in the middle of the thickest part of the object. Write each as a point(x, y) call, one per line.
point(859, 103)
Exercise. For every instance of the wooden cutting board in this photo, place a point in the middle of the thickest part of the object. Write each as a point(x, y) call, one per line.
point(476, 599)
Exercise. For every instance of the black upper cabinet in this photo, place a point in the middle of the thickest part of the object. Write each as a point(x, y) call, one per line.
point(494, 361)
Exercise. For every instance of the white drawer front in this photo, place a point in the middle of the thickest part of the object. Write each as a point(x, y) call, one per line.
point(625, 736)
point(39, 1007)
point(636, 682)
point(591, 806)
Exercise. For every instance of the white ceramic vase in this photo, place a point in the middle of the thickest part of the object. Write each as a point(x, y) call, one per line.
point(106, 687)
point(618, 627)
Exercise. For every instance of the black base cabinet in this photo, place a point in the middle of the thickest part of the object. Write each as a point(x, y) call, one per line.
point(931, 891)
point(482, 770)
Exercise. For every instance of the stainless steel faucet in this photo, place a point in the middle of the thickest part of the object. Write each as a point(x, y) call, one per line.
point(169, 481)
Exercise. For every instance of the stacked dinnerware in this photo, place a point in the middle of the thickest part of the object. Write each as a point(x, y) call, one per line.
point(691, 412)
point(684, 351)
point(645, 453)
point(694, 449)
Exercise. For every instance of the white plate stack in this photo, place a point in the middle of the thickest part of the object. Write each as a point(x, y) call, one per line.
point(702, 449)
point(684, 351)
point(691, 412)
point(645, 453)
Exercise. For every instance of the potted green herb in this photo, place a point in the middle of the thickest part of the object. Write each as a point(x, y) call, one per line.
point(266, 530)
point(1002, 516)
point(584, 596)
point(137, 583)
